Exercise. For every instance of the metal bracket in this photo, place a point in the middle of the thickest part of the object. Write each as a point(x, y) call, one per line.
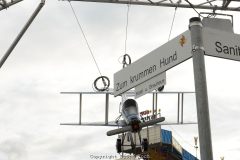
point(218, 14)
point(2, 5)
point(195, 23)
point(194, 48)
point(214, 10)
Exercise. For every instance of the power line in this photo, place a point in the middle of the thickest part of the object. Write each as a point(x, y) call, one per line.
point(85, 38)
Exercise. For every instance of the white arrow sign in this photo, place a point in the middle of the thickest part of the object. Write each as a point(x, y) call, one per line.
point(221, 44)
point(150, 85)
point(159, 60)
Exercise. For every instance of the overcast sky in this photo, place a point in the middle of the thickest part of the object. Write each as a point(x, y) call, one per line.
point(53, 57)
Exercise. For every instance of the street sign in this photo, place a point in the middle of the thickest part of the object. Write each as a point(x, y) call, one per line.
point(150, 85)
point(159, 60)
point(221, 44)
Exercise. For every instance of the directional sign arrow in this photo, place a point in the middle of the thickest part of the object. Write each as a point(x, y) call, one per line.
point(150, 85)
point(221, 44)
point(159, 60)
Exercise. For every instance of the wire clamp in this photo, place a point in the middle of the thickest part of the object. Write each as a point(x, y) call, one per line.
point(124, 62)
point(194, 48)
point(106, 85)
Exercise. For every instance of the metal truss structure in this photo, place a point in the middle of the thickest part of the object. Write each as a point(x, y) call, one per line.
point(165, 3)
point(5, 5)
point(208, 4)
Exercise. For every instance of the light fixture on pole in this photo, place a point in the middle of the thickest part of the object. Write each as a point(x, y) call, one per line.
point(159, 113)
point(196, 138)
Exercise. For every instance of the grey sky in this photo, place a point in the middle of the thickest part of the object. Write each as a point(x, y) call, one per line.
point(53, 57)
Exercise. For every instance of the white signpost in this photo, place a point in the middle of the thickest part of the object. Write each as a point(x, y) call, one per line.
point(221, 44)
point(150, 85)
point(159, 60)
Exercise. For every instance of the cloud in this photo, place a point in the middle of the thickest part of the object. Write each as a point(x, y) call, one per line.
point(53, 56)
point(13, 149)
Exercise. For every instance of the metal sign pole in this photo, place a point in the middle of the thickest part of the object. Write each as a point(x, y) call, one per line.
point(203, 115)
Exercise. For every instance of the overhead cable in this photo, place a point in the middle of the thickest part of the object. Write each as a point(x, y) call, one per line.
point(163, 86)
point(181, 137)
point(85, 38)
point(125, 64)
point(172, 24)
point(180, 1)
point(128, 5)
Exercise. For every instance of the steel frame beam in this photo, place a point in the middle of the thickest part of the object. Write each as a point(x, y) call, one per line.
point(226, 4)
point(160, 3)
point(6, 5)
point(207, 2)
point(15, 42)
point(224, 1)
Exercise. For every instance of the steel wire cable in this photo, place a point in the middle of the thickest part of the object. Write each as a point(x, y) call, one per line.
point(181, 137)
point(128, 5)
point(172, 23)
point(124, 56)
point(168, 40)
point(85, 38)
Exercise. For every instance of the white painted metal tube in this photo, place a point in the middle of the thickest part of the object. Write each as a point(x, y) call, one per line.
point(118, 131)
point(9, 4)
point(15, 42)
